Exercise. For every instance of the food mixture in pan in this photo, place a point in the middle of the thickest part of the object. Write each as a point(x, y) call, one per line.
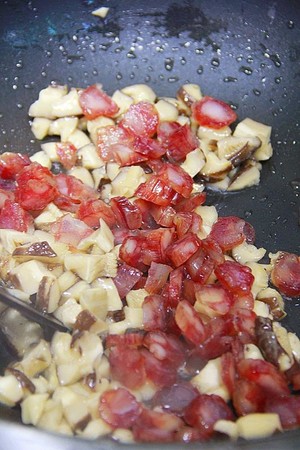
point(174, 321)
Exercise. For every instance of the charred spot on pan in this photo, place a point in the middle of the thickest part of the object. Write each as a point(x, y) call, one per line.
point(186, 17)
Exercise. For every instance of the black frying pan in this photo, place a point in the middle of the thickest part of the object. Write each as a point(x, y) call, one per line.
point(244, 52)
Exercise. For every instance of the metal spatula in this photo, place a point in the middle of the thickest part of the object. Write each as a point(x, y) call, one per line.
point(45, 320)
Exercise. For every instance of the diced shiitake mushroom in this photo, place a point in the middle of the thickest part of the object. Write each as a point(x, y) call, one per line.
point(123, 101)
point(140, 93)
point(258, 425)
point(189, 93)
point(40, 127)
point(237, 149)
point(63, 127)
point(215, 169)
point(209, 380)
point(39, 251)
point(249, 127)
point(43, 107)
point(274, 301)
point(247, 175)
point(167, 112)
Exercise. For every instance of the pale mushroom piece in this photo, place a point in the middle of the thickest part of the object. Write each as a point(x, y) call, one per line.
point(245, 253)
point(43, 107)
point(68, 312)
point(40, 127)
point(50, 214)
point(127, 181)
point(133, 319)
point(123, 101)
point(193, 162)
point(51, 417)
point(36, 359)
point(227, 427)
point(211, 133)
point(114, 302)
point(50, 148)
point(283, 339)
point(135, 298)
point(75, 290)
point(10, 239)
point(258, 425)
point(89, 157)
point(251, 351)
point(101, 12)
point(215, 169)
point(221, 185)
point(28, 275)
point(295, 345)
point(82, 174)
point(48, 294)
point(209, 216)
point(95, 301)
point(237, 149)
point(274, 301)
point(247, 176)
point(63, 127)
point(89, 267)
point(123, 435)
point(99, 175)
point(11, 391)
point(67, 105)
point(112, 170)
point(260, 277)
point(189, 93)
point(261, 309)
point(66, 280)
point(102, 238)
point(166, 111)
point(32, 408)
point(183, 120)
point(249, 127)
point(209, 380)
point(79, 139)
point(140, 92)
point(42, 158)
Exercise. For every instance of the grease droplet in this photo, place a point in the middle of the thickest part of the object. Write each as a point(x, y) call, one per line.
point(169, 64)
point(290, 24)
point(229, 79)
point(246, 70)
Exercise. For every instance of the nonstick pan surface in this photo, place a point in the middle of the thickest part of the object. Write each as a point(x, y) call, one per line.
point(245, 52)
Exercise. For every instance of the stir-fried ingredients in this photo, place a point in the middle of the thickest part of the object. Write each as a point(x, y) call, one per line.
point(175, 332)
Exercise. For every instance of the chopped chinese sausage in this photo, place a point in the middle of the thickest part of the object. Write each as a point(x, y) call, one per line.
point(231, 231)
point(67, 154)
point(11, 164)
point(127, 366)
point(204, 411)
point(178, 140)
point(95, 102)
point(190, 322)
point(286, 274)
point(141, 119)
point(36, 187)
point(119, 408)
point(13, 216)
point(235, 277)
point(213, 113)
